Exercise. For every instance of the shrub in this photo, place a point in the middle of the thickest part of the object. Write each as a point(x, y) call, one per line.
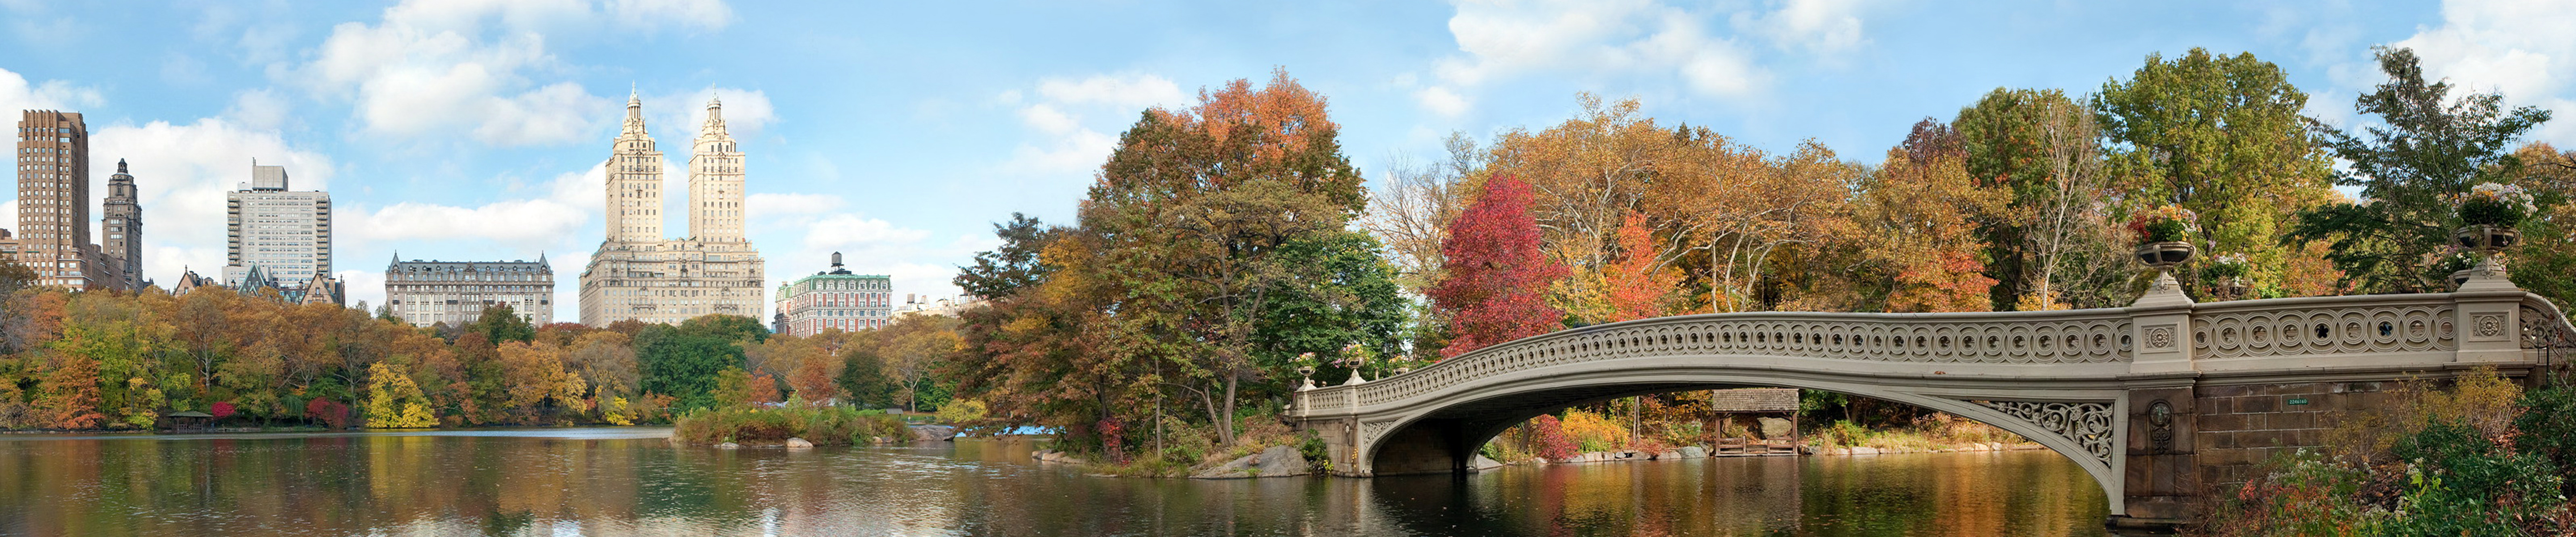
point(1593, 432)
point(822, 426)
point(1548, 438)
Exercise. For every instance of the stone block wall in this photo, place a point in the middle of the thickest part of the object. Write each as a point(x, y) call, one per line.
point(2240, 426)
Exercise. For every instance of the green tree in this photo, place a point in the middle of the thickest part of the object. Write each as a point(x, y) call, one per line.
point(863, 377)
point(683, 363)
point(2432, 148)
point(2221, 136)
point(499, 324)
point(1012, 266)
point(2050, 246)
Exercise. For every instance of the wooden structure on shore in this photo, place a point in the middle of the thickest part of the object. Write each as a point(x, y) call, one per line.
point(186, 421)
point(1757, 403)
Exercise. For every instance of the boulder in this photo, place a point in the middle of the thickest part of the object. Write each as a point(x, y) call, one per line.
point(799, 443)
point(1693, 452)
point(1776, 428)
point(728, 445)
point(1480, 463)
point(933, 433)
point(1864, 450)
point(1278, 461)
point(1672, 455)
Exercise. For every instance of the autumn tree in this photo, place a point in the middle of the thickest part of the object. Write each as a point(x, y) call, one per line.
point(1919, 214)
point(2433, 148)
point(2223, 137)
point(395, 402)
point(1639, 282)
point(1496, 273)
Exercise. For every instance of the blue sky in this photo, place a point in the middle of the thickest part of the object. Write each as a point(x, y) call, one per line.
point(896, 132)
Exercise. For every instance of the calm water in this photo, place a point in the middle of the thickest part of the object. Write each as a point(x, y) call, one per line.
point(628, 481)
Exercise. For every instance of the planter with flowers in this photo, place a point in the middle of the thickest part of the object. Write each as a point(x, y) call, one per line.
point(2164, 236)
point(2488, 215)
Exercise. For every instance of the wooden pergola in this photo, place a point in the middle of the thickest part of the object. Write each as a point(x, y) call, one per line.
point(1757, 402)
point(186, 421)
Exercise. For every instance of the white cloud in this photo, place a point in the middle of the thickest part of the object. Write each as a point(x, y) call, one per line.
point(1501, 39)
point(697, 14)
point(1072, 117)
point(745, 113)
point(182, 172)
point(1133, 91)
point(434, 67)
point(1825, 27)
point(2517, 47)
point(260, 109)
point(1442, 101)
point(16, 94)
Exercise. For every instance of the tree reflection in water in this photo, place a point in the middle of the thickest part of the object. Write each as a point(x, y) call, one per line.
point(630, 482)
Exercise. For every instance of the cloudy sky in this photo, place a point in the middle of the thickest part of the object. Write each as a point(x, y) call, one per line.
point(896, 132)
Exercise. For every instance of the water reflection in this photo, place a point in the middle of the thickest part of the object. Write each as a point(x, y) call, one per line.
point(627, 481)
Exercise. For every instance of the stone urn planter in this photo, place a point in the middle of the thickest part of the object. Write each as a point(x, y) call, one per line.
point(2488, 239)
point(2164, 255)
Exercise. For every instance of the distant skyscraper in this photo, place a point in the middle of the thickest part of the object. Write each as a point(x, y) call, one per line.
point(286, 234)
point(123, 224)
point(429, 292)
point(53, 203)
point(637, 273)
point(835, 299)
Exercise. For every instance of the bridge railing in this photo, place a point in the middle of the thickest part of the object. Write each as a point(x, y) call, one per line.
point(2250, 333)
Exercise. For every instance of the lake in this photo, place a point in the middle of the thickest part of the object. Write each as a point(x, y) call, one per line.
point(629, 481)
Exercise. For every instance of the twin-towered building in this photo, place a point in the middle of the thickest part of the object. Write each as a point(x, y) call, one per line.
point(639, 274)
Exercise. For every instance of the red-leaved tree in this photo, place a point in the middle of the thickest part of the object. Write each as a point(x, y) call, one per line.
point(1497, 277)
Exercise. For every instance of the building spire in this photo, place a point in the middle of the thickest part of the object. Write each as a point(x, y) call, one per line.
point(715, 115)
point(120, 165)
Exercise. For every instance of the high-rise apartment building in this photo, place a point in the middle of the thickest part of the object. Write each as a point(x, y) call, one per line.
point(637, 273)
point(286, 234)
point(53, 235)
point(834, 299)
point(424, 293)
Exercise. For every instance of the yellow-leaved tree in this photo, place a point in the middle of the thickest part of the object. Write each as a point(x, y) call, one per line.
point(394, 402)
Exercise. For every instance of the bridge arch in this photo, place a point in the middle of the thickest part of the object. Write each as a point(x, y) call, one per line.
point(1441, 435)
point(2160, 401)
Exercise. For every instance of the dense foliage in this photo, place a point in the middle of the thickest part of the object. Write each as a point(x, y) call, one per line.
point(102, 360)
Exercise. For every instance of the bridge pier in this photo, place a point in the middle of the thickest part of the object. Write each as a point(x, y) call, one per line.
point(2162, 471)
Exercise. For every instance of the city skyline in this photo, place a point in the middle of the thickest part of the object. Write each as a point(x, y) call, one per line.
point(899, 133)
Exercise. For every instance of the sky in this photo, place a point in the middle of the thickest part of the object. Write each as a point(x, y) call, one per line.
point(896, 133)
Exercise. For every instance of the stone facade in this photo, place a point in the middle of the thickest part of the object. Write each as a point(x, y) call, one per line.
point(424, 293)
point(638, 274)
point(834, 299)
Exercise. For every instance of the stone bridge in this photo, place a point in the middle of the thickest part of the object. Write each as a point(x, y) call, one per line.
point(2157, 401)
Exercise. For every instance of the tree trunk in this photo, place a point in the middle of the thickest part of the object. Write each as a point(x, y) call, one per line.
point(1225, 423)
